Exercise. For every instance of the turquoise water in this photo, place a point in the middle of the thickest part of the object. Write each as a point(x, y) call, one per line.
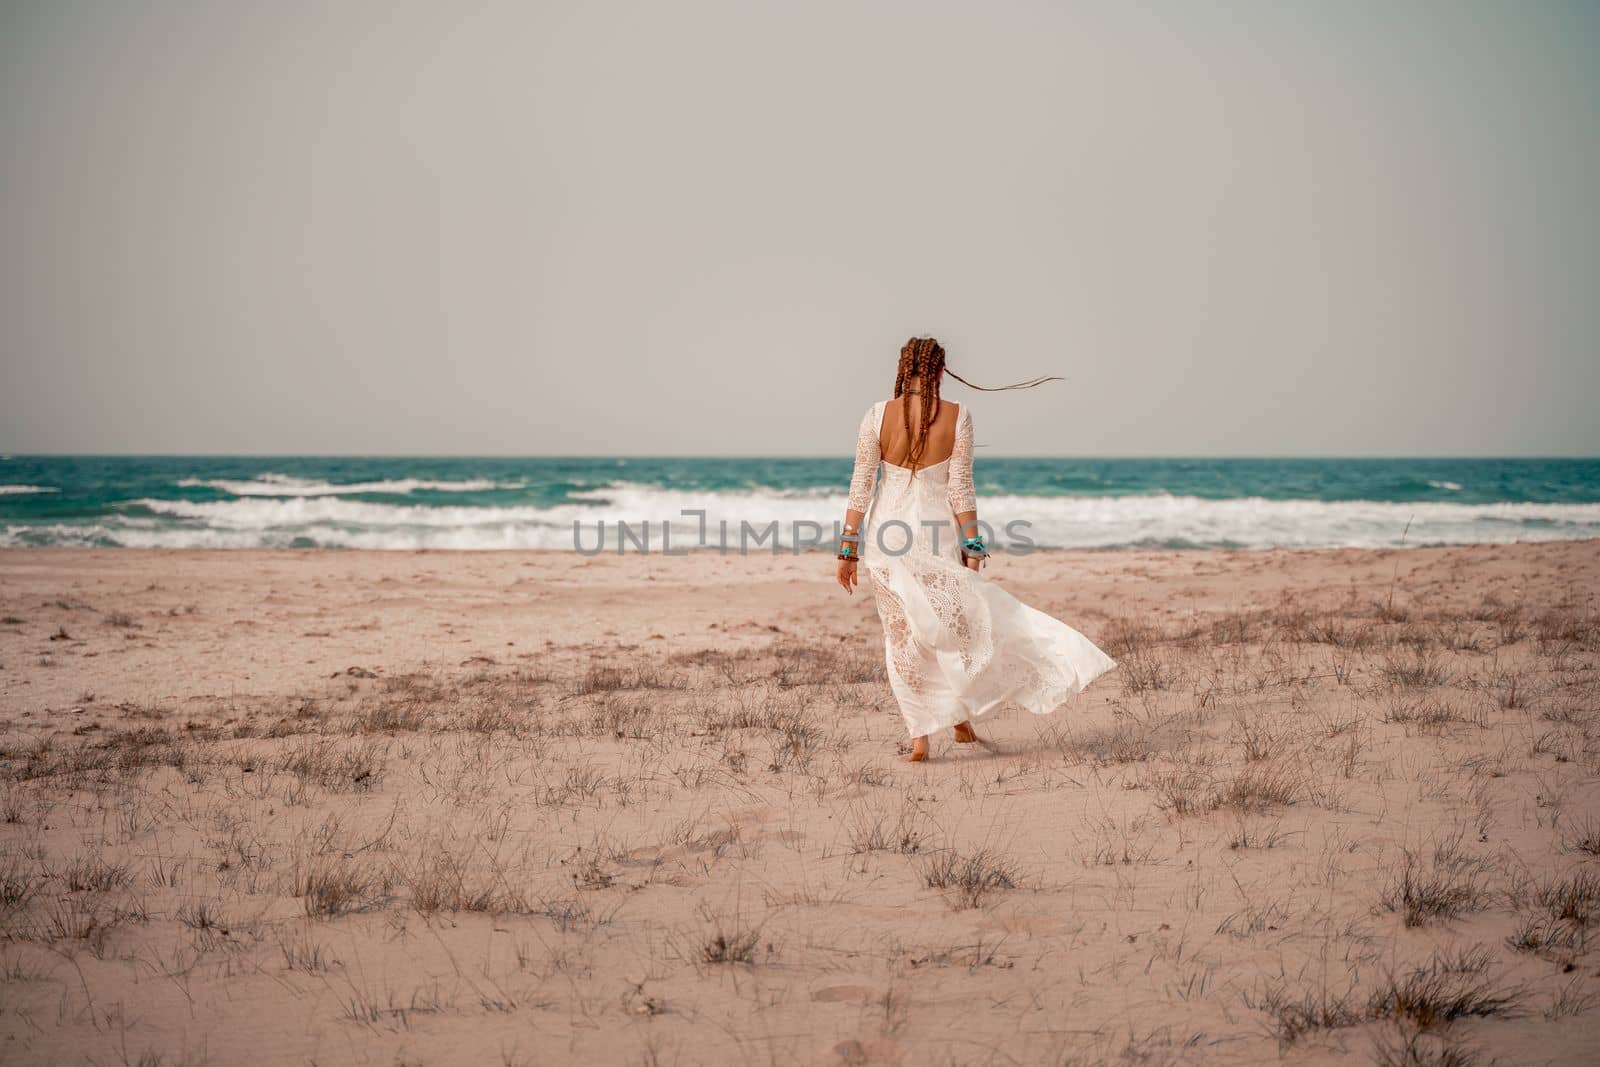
point(393, 502)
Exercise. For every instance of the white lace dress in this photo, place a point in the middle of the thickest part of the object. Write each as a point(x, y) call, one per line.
point(958, 645)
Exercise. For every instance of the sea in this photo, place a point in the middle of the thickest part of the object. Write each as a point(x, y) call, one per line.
point(585, 504)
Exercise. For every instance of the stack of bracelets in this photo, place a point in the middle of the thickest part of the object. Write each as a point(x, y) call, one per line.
point(974, 548)
point(850, 545)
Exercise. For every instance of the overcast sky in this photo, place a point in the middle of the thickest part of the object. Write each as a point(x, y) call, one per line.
point(706, 228)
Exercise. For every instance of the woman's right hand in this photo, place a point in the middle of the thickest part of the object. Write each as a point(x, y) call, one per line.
point(846, 574)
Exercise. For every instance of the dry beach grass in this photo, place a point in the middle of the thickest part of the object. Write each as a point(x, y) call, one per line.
point(524, 808)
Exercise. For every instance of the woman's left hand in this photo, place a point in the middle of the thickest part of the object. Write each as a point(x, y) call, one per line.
point(846, 574)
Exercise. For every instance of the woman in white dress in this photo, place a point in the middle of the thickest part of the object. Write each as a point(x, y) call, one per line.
point(958, 646)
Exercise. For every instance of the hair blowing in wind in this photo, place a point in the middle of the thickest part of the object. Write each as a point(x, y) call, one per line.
point(922, 358)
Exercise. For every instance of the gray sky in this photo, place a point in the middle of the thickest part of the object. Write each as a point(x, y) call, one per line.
point(1274, 228)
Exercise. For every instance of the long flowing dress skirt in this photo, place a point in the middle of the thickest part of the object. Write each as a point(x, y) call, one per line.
point(958, 646)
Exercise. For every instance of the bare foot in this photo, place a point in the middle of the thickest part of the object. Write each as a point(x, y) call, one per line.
point(919, 750)
point(964, 734)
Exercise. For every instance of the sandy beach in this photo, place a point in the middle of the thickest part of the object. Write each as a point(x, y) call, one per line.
point(526, 807)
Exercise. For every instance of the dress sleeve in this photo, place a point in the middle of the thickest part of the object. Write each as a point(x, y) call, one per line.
point(867, 459)
point(962, 495)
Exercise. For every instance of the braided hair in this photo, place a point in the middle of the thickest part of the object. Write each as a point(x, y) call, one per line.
point(923, 358)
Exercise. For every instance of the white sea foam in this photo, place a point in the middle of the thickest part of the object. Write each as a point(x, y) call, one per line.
point(1452, 486)
point(1064, 521)
point(288, 485)
point(13, 490)
point(119, 533)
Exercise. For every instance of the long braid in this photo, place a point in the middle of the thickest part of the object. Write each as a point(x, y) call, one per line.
point(908, 369)
point(919, 443)
point(914, 440)
point(921, 358)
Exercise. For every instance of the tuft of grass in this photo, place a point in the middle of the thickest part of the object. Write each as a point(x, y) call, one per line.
point(1432, 713)
point(391, 716)
point(601, 678)
point(1456, 635)
point(80, 919)
point(1573, 899)
point(1141, 660)
point(1119, 843)
point(738, 946)
point(1543, 935)
point(795, 742)
point(490, 717)
point(589, 870)
point(868, 775)
point(903, 835)
point(203, 917)
point(17, 886)
point(302, 953)
point(1180, 791)
point(730, 940)
point(970, 877)
point(443, 883)
point(1193, 791)
point(92, 874)
point(1510, 689)
point(1424, 892)
point(1256, 739)
point(1414, 669)
point(1558, 629)
point(1570, 999)
point(336, 769)
point(333, 888)
point(1451, 985)
point(365, 1005)
point(1257, 788)
point(1292, 1016)
point(1250, 922)
point(1247, 836)
point(1584, 837)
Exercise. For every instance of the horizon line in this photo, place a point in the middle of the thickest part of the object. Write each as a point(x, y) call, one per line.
point(838, 456)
